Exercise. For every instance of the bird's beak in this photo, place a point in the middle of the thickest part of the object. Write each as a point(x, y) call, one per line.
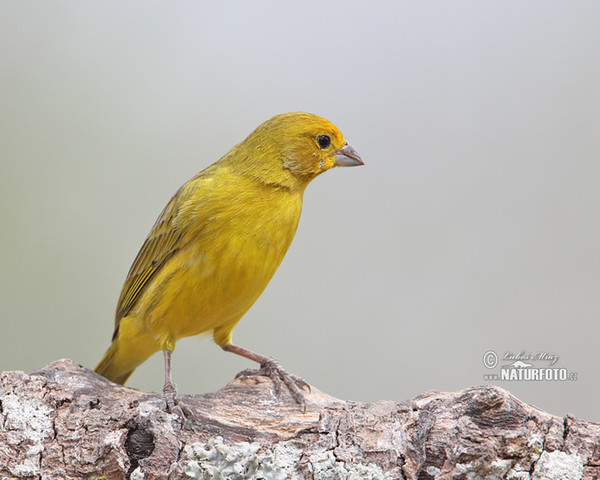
point(347, 157)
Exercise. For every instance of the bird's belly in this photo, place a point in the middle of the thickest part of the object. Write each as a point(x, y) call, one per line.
point(212, 283)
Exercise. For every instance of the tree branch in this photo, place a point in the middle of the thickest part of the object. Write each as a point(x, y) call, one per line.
point(64, 421)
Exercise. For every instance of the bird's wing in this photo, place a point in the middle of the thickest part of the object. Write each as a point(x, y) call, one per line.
point(164, 240)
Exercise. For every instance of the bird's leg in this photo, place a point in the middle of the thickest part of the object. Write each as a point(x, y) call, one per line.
point(269, 367)
point(170, 391)
point(169, 388)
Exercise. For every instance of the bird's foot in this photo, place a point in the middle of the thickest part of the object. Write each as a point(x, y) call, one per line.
point(174, 404)
point(169, 388)
point(295, 385)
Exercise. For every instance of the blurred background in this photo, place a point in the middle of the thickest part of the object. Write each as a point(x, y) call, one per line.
point(474, 225)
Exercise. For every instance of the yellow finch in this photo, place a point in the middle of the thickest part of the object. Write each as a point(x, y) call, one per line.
point(218, 242)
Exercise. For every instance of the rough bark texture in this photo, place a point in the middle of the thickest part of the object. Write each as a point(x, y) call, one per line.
point(66, 422)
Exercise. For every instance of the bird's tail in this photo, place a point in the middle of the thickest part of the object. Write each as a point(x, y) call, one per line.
point(129, 349)
point(115, 366)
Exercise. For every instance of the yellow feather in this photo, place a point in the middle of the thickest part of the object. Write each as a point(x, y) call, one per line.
point(219, 241)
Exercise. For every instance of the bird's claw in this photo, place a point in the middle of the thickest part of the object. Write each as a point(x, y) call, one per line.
point(175, 406)
point(294, 384)
point(169, 388)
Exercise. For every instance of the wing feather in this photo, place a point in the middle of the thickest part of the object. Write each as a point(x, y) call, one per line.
point(159, 247)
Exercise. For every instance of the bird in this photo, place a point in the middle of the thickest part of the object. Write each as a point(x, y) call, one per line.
point(217, 244)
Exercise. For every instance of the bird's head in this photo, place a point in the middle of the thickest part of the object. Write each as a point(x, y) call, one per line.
point(293, 148)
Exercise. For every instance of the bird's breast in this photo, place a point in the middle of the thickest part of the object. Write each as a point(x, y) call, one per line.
point(217, 276)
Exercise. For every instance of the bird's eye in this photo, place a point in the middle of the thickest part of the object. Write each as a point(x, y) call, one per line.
point(324, 141)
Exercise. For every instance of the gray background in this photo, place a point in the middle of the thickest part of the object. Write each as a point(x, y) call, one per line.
point(473, 226)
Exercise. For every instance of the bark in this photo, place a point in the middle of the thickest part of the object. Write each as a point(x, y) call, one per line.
point(66, 422)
